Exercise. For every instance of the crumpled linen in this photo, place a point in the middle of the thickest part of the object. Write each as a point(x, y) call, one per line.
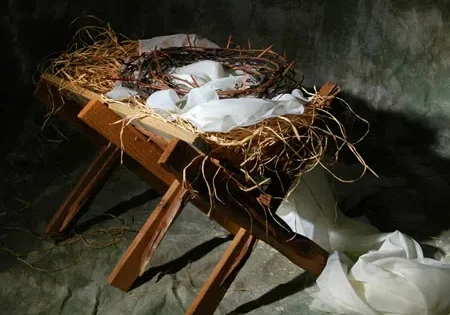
point(175, 40)
point(202, 106)
point(212, 114)
point(367, 272)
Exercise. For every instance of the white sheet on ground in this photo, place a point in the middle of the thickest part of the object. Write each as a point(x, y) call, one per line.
point(390, 275)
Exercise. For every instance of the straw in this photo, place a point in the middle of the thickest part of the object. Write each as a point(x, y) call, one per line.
point(290, 144)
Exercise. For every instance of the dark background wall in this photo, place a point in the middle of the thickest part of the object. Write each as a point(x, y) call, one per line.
point(391, 57)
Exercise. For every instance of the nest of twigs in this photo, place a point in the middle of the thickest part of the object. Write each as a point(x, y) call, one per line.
point(270, 73)
point(289, 144)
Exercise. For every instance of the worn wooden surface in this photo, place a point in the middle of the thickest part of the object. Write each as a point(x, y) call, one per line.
point(73, 91)
point(82, 96)
point(135, 144)
point(157, 126)
point(223, 275)
point(166, 161)
point(58, 102)
point(133, 262)
point(244, 209)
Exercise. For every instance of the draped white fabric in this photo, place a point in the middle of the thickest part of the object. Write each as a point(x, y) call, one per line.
point(367, 272)
point(175, 40)
point(202, 106)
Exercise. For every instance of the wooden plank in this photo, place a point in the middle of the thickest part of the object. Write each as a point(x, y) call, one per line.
point(100, 118)
point(163, 129)
point(223, 275)
point(92, 181)
point(158, 140)
point(165, 160)
point(68, 110)
point(133, 262)
point(77, 93)
point(300, 250)
point(244, 209)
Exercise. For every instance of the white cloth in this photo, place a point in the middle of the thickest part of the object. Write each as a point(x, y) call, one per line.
point(223, 115)
point(120, 92)
point(203, 108)
point(176, 40)
point(390, 275)
point(164, 100)
point(208, 69)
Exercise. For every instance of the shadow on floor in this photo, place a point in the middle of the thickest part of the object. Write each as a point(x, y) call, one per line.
point(411, 193)
point(118, 210)
point(278, 293)
point(176, 265)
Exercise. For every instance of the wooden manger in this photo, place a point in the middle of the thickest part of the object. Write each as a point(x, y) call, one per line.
point(159, 153)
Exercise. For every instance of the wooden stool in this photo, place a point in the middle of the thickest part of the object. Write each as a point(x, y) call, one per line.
point(161, 163)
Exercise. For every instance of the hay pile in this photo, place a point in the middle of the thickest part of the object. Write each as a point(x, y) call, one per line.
point(93, 59)
point(290, 144)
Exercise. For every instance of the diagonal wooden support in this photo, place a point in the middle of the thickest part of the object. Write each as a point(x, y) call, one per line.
point(67, 106)
point(223, 275)
point(150, 156)
point(91, 182)
point(147, 154)
point(244, 209)
point(127, 137)
point(133, 262)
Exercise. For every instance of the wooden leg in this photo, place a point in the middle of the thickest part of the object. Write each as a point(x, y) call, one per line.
point(133, 262)
point(244, 209)
point(223, 275)
point(87, 186)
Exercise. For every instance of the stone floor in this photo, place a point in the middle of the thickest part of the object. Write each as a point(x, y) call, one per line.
point(39, 277)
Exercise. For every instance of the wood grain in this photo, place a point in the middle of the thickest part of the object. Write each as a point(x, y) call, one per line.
point(133, 262)
point(244, 209)
point(135, 144)
point(223, 275)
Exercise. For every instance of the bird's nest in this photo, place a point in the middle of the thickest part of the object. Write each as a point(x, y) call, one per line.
point(290, 144)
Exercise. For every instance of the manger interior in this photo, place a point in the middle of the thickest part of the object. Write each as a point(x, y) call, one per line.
point(248, 105)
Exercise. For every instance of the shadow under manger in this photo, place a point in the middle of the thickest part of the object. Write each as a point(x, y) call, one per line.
point(411, 193)
point(176, 265)
point(299, 283)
